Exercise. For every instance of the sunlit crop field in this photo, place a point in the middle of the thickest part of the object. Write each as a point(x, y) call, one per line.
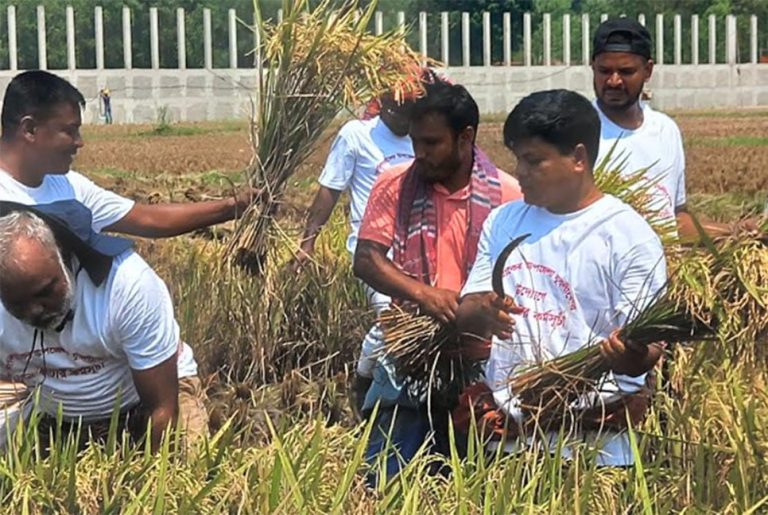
point(275, 352)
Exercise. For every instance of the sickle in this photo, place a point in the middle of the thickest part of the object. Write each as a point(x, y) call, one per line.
point(498, 267)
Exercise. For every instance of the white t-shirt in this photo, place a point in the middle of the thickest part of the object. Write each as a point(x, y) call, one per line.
point(126, 323)
point(105, 206)
point(657, 144)
point(578, 276)
point(361, 151)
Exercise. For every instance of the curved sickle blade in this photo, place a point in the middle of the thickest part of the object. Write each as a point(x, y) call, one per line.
point(498, 267)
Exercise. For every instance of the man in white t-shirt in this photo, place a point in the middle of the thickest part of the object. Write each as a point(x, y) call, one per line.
point(90, 325)
point(40, 136)
point(631, 130)
point(362, 150)
point(589, 262)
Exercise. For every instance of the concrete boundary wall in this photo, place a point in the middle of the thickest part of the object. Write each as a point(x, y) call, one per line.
point(143, 96)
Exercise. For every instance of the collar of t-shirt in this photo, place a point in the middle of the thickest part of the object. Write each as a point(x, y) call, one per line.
point(618, 128)
point(460, 194)
point(382, 131)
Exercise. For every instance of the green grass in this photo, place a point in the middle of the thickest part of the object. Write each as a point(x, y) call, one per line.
point(728, 141)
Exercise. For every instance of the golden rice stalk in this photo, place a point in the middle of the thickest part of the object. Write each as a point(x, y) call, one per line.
point(635, 189)
point(426, 353)
point(315, 63)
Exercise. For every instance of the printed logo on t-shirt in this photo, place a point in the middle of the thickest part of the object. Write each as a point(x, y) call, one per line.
point(545, 296)
point(16, 365)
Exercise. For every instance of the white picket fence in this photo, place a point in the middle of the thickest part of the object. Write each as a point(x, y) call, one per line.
point(422, 28)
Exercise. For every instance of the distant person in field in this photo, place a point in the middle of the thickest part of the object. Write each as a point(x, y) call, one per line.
point(588, 264)
point(106, 101)
point(621, 66)
point(417, 241)
point(41, 119)
point(87, 322)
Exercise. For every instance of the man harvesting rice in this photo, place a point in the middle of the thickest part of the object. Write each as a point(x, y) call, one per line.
point(90, 325)
point(588, 263)
point(429, 214)
point(40, 137)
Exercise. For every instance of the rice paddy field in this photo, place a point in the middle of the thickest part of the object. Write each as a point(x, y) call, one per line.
point(275, 352)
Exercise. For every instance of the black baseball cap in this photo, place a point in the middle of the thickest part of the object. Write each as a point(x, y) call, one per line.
point(622, 35)
point(71, 223)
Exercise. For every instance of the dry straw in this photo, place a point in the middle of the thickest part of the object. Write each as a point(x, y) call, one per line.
point(314, 63)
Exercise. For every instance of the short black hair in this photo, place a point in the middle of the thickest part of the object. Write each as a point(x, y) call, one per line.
point(35, 93)
point(452, 101)
point(560, 117)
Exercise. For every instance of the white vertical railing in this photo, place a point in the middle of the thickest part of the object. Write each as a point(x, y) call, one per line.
point(753, 39)
point(712, 39)
point(507, 37)
point(445, 38)
point(13, 57)
point(71, 56)
point(527, 39)
point(586, 58)
point(567, 39)
point(465, 39)
point(659, 39)
point(181, 38)
point(127, 42)
point(207, 40)
point(678, 34)
point(547, 39)
point(728, 52)
point(42, 48)
point(695, 39)
point(232, 30)
point(154, 39)
point(486, 39)
point(423, 50)
point(730, 39)
point(98, 33)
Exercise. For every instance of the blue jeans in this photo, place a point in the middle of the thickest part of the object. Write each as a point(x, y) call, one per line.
point(401, 432)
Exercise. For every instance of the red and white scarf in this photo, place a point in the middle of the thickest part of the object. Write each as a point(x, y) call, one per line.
point(415, 239)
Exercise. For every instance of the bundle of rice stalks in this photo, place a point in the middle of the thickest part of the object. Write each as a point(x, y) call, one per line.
point(548, 389)
point(427, 354)
point(727, 286)
point(315, 63)
point(432, 355)
point(634, 188)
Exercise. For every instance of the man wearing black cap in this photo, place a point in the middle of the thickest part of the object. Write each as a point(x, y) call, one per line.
point(631, 130)
point(86, 321)
point(40, 138)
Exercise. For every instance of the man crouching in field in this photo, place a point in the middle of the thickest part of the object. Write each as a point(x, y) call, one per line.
point(588, 263)
point(86, 321)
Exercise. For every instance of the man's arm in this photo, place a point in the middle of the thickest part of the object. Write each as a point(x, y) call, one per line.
point(372, 265)
point(165, 220)
point(158, 389)
point(319, 213)
point(689, 233)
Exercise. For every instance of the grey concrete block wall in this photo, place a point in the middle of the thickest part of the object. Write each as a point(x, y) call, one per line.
point(140, 96)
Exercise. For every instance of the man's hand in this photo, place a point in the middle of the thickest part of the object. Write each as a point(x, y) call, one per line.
point(499, 313)
point(483, 315)
point(629, 358)
point(244, 198)
point(438, 303)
